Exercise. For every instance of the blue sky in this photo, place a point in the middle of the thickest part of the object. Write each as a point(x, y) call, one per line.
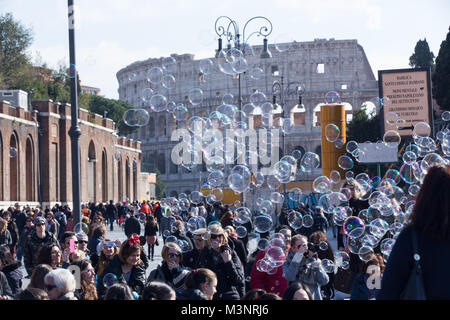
point(112, 34)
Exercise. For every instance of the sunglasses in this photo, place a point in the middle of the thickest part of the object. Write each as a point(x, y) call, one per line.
point(40, 224)
point(215, 236)
point(173, 255)
point(81, 241)
point(110, 244)
point(49, 287)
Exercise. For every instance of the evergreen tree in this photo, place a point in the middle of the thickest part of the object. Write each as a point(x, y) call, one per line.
point(422, 56)
point(14, 41)
point(441, 76)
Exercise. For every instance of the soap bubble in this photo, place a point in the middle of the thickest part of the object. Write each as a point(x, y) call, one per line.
point(180, 113)
point(168, 81)
point(323, 245)
point(309, 161)
point(421, 129)
point(263, 223)
point(13, 152)
point(256, 73)
point(342, 259)
point(169, 64)
point(155, 75)
point(109, 279)
point(328, 265)
point(365, 253)
point(206, 66)
point(295, 219)
point(196, 197)
point(353, 227)
point(195, 96)
point(241, 232)
point(158, 103)
point(445, 116)
point(228, 98)
point(243, 216)
point(392, 138)
point(332, 97)
point(345, 163)
point(71, 72)
point(258, 98)
point(263, 243)
point(81, 227)
point(409, 157)
point(136, 117)
point(332, 132)
point(391, 118)
point(307, 221)
point(147, 94)
point(335, 176)
point(322, 184)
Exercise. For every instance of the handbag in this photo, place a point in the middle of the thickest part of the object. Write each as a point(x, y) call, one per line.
point(343, 280)
point(414, 289)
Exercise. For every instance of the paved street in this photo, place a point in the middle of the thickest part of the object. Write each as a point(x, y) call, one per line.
point(119, 234)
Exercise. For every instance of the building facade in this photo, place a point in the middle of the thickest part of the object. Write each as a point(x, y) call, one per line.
point(35, 158)
point(319, 66)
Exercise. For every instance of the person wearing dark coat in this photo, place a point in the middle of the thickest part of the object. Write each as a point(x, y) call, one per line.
point(111, 214)
point(127, 268)
point(5, 290)
point(19, 216)
point(36, 240)
point(132, 226)
point(191, 257)
point(13, 231)
point(225, 263)
point(11, 268)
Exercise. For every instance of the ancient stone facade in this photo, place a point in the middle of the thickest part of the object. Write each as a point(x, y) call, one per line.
point(38, 167)
point(319, 66)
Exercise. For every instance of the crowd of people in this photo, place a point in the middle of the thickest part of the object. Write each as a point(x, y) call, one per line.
point(212, 262)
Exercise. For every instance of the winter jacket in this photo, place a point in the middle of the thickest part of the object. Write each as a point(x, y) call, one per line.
point(230, 275)
point(32, 246)
point(360, 290)
point(190, 259)
point(111, 211)
point(19, 217)
point(271, 283)
point(14, 276)
point(320, 223)
point(93, 243)
point(434, 261)
point(191, 294)
point(67, 296)
point(132, 225)
point(174, 278)
point(12, 228)
point(136, 281)
point(166, 222)
point(150, 230)
point(5, 239)
point(313, 276)
point(5, 289)
point(240, 249)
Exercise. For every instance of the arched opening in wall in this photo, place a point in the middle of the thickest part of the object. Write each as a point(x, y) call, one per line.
point(316, 115)
point(91, 174)
point(104, 177)
point(1, 167)
point(127, 180)
point(161, 126)
point(135, 193)
point(298, 115)
point(161, 163)
point(151, 127)
point(29, 170)
point(318, 151)
point(349, 111)
point(120, 180)
point(14, 168)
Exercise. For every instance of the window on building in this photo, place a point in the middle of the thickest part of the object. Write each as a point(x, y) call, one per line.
point(321, 68)
point(275, 71)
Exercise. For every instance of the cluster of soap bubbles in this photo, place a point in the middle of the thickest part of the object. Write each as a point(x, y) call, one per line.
point(275, 253)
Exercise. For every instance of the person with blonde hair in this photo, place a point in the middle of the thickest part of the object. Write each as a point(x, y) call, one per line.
point(220, 258)
point(171, 271)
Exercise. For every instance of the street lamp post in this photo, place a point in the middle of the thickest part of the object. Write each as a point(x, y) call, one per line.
point(229, 29)
point(278, 88)
point(74, 131)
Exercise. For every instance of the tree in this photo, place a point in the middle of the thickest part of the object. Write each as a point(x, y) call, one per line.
point(422, 56)
point(441, 76)
point(115, 109)
point(160, 185)
point(14, 41)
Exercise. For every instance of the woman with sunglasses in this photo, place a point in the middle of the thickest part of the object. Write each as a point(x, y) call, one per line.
point(88, 290)
point(51, 254)
point(225, 263)
point(107, 249)
point(170, 271)
point(126, 267)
